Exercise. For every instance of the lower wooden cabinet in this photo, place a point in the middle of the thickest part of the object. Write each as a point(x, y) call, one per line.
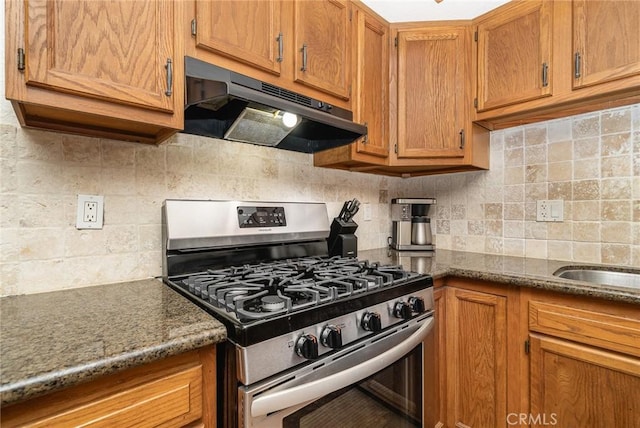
point(175, 392)
point(527, 357)
point(482, 353)
point(575, 385)
point(584, 361)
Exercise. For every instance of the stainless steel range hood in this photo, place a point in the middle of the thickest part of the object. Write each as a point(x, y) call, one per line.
point(224, 104)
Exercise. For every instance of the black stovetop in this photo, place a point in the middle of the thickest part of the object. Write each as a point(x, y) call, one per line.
point(262, 300)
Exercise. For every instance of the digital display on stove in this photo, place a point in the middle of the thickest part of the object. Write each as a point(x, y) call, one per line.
point(261, 217)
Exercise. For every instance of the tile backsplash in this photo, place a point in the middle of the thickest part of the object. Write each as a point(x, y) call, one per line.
point(591, 161)
point(42, 173)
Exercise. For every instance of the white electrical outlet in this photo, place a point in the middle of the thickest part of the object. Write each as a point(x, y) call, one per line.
point(550, 210)
point(366, 212)
point(90, 212)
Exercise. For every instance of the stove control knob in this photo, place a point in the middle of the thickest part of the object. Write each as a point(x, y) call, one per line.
point(417, 304)
point(307, 347)
point(371, 321)
point(402, 310)
point(331, 337)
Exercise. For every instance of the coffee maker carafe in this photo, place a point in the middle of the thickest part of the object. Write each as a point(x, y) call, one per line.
point(411, 226)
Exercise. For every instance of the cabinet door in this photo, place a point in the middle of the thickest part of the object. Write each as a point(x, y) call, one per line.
point(117, 51)
point(432, 82)
point(580, 386)
point(514, 54)
point(247, 31)
point(323, 39)
point(476, 334)
point(606, 41)
point(435, 366)
point(371, 104)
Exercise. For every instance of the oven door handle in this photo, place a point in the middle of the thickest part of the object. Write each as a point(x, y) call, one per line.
point(278, 400)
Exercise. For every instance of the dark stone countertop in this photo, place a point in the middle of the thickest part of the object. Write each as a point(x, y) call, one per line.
point(58, 339)
point(518, 271)
point(53, 340)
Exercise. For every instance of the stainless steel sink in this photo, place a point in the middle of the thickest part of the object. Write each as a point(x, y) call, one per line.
point(597, 275)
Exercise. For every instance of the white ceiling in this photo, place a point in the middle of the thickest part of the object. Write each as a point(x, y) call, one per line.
point(430, 10)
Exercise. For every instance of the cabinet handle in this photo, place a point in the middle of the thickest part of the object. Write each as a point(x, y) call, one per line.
point(545, 75)
point(304, 57)
point(280, 48)
point(365, 140)
point(20, 59)
point(462, 138)
point(169, 68)
point(576, 65)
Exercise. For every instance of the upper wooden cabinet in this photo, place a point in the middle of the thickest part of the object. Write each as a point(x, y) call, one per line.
point(250, 32)
point(600, 55)
point(371, 83)
point(99, 68)
point(430, 81)
point(544, 59)
point(514, 54)
point(323, 40)
point(433, 84)
point(370, 101)
point(431, 101)
point(303, 46)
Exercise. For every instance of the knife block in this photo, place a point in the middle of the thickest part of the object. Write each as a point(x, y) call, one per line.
point(342, 240)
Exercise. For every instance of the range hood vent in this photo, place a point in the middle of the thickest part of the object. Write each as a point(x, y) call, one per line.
point(224, 104)
point(286, 94)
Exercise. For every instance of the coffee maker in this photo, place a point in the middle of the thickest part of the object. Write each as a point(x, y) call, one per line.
point(411, 227)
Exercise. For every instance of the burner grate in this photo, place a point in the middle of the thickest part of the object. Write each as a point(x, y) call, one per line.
point(269, 289)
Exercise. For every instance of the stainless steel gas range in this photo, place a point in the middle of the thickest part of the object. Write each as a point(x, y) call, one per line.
point(313, 340)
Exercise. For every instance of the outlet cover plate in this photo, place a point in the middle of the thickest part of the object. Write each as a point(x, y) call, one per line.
point(550, 210)
point(90, 212)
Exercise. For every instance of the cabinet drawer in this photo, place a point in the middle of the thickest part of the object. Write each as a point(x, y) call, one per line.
point(169, 398)
point(590, 327)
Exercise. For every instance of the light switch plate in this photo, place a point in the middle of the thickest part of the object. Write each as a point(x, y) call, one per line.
point(90, 213)
point(550, 210)
point(366, 212)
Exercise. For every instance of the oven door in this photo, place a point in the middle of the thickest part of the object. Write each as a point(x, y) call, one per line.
point(379, 381)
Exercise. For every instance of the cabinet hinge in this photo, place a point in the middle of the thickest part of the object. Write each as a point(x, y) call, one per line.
point(527, 346)
point(395, 148)
point(194, 27)
point(475, 102)
point(20, 59)
point(475, 36)
point(395, 41)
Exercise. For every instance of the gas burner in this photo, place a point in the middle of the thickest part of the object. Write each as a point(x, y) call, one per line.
point(264, 290)
point(272, 303)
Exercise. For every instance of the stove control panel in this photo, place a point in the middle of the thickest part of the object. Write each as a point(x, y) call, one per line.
point(316, 340)
point(261, 217)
